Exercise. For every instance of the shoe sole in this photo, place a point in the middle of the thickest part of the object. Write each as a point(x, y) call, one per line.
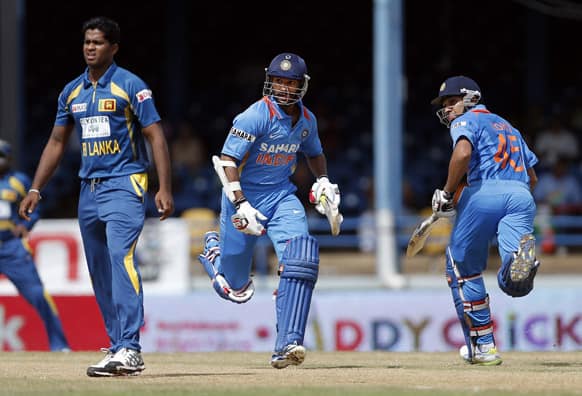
point(463, 353)
point(294, 357)
point(525, 260)
point(96, 372)
point(495, 362)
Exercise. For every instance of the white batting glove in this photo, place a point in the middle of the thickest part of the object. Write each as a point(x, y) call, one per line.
point(442, 204)
point(322, 186)
point(246, 219)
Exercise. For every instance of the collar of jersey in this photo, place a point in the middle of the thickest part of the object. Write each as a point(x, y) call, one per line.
point(105, 78)
point(276, 110)
point(479, 109)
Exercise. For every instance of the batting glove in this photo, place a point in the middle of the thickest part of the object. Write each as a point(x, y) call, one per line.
point(322, 187)
point(442, 204)
point(246, 219)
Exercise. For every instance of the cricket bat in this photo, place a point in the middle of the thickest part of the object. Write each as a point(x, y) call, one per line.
point(420, 234)
point(333, 215)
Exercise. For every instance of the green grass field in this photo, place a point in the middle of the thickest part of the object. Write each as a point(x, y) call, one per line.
point(323, 373)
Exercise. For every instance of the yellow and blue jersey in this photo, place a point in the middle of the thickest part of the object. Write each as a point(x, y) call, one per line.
point(108, 117)
point(499, 150)
point(266, 143)
point(13, 188)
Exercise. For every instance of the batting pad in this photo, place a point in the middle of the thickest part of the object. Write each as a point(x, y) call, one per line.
point(472, 305)
point(300, 270)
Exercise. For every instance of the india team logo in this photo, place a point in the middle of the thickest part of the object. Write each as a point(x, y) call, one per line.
point(285, 65)
point(107, 105)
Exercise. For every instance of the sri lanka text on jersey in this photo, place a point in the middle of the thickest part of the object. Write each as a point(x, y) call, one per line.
point(103, 147)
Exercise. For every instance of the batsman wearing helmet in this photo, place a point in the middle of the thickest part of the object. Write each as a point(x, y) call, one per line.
point(497, 201)
point(255, 166)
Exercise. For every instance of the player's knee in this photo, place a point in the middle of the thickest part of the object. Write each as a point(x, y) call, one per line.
point(301, 258)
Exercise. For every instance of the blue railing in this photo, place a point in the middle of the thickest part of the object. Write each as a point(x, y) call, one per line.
point(567, 231)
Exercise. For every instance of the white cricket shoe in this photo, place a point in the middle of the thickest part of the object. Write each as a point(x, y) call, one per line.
point(485, 355)
point(126, 362)
point(99, 370)
point(292, 354)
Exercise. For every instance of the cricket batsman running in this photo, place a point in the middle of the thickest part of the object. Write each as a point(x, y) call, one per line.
point(255, 166)
point(496, 202)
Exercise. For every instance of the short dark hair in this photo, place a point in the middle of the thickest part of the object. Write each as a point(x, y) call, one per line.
point(109, 27)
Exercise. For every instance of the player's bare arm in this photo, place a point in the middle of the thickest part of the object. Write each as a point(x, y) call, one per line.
point(49, 160)
point(459, 164)
point(317, 165)
point(164, 200)
point(533, 178)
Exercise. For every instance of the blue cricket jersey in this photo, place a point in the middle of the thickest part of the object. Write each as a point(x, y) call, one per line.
point(266, 144)
point(108, 118)
point(499, 150)
point(13, 188)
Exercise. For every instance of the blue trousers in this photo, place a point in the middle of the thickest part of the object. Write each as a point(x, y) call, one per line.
point(111, 218)
point(501, 208)
point(17, 264)
point(287, 219)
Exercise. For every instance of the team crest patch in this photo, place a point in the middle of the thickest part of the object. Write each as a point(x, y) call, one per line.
point(443, 86)
point(144, 94)
point(107, 104)
point(285, 65)
point(304, 133)
point(79, 107)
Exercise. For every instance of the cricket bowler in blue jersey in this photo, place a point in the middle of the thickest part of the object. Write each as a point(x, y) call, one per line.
point(15, 253)
point(111, 110)
point(496, 201)
point(257, 160)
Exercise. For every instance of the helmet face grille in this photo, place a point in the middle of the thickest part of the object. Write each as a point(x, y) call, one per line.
point(284, 96)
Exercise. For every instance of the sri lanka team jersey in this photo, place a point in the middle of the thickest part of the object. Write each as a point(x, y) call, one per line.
point(499, 151)
point(13, 188)
point(108, 118)
point(263, 139)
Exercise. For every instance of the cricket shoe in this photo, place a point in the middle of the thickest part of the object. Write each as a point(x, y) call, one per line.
point(99, 369)
point(484, 355)
point(126, 362)
point(525, 259)
point(292, 354)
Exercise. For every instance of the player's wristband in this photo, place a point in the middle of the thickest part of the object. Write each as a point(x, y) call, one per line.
point(34, 190)
point(239, 201)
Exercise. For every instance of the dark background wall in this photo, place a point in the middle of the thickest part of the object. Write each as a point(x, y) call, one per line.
point(205, 63)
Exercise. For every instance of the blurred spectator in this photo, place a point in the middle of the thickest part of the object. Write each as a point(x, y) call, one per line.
point(558, 192)
point(556, 141)
point(187, 150)
point(193, 174)
point(558, 188)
